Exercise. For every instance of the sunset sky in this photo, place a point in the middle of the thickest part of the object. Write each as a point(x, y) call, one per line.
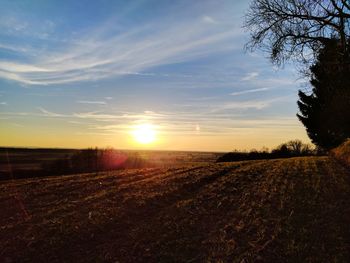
point(85, 73)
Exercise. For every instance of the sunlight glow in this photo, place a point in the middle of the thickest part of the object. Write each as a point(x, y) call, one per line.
point(144, 133)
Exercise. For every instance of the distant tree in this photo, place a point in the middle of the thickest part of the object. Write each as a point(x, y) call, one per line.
point(307, 149)
point(297, 28)
point(282, 151)
point(325, 112)
point(295, 147)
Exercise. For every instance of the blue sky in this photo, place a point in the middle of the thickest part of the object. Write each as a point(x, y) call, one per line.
point(82, 73)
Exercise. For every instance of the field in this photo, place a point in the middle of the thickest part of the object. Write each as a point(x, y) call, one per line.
point(283, 210)
point(29, 162)
point(29, 159)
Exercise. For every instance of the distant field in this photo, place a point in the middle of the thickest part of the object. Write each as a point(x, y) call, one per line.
point(28, 162)
point(30, 159)
point(284, 210)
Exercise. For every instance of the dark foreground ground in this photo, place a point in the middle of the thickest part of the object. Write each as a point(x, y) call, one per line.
point(286, 210)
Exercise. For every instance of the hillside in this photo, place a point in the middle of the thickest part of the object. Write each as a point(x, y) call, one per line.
point(284, 210)
point(342, 153)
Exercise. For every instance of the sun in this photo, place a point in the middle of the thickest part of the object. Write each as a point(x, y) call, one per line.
point(144, 133)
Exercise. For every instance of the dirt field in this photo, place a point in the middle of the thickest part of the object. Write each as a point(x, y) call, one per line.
point(286, 210)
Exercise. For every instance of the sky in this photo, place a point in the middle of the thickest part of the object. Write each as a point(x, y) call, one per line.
point(82, 74)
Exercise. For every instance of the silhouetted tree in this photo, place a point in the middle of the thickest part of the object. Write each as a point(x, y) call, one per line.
point(295, 147)
point(281, 151)
point(325, 112)
point(292, 28)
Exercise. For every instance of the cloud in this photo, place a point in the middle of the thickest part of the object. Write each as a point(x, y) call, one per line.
point(184, 125)
point(203, 108)
point(20, 68)
point(91, 102)
point(112, 127)
point(97, 115)
point(19, 114)
point(94, 115)
point(49, 113)
point(250, 76)
point(100, 54)
point(278, 83)
point(3, 103)
point(76, 122)
point(203, 98)
point(13, 48)
point(12, 24)
point(212, 120)
point(17, 24)
point(16, 77)
point(209, 20)
point(246, 105)
point(243, 105)
point(248, 91)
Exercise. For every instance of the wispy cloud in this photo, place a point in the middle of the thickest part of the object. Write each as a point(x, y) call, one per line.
point(49, 113)
point(203, 108)
point(205, 126)
point(13, 24)
point(250, 76)
point(16, 24)
point(209, 19)
point(98, 54)
point(21, 68)
point(100, 116)
point(248, 91)
point(277, 83)
point(203, 98)
point(3, 103)
point(220, 119)
point(243, 105)
point(94, 115)
point(13, 48)
point(91, 102)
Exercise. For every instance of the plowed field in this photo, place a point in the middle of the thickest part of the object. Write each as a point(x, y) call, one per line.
point(285, 210)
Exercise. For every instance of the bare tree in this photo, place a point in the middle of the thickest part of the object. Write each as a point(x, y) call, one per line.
point(295, 146)
point(297, 28)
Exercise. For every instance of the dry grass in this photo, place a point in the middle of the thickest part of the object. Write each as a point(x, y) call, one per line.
point(342, 152)
point(286, 210)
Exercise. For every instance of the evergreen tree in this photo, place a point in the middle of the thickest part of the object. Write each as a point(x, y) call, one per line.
point(326, 111)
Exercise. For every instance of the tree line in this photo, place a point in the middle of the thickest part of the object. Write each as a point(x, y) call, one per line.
point(293, 148)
